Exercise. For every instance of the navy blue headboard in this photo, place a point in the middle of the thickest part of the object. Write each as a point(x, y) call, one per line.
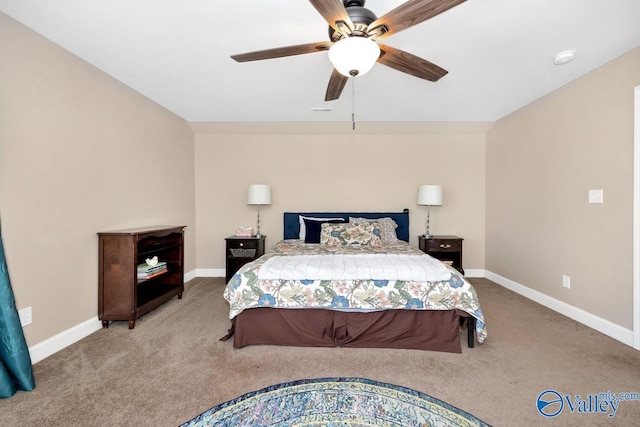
point(292, 221)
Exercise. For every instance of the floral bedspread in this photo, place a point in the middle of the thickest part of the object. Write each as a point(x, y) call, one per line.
point(245, 290)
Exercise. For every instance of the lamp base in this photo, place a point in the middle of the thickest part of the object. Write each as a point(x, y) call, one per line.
point(427, 234)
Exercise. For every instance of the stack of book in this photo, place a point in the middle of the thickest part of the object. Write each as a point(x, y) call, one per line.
point(146, 271)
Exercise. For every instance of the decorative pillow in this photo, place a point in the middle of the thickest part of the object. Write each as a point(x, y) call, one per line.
point(386, 225)
point(302, 234)
point(348, 234)
point(313, 228)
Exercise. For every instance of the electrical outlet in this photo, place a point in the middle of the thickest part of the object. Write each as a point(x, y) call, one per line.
point(566, 282)
point(596, 196)
point(25, 316)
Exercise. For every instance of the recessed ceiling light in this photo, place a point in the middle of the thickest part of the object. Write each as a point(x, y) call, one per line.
point(564, 57)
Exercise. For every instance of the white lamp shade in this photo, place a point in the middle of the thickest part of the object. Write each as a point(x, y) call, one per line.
point(354, 55)
point(430, 195)
point(259, 194)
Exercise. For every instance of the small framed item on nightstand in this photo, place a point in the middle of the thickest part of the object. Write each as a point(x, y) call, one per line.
point(445, 248)
point(244, 231)
point(241, 250)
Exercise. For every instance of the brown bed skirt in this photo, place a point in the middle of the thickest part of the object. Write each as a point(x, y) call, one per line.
point(422, 330)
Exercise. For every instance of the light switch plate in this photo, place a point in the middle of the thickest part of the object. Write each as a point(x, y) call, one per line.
point(596, 196)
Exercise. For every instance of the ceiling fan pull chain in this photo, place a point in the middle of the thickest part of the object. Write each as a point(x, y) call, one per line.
point(353, 103)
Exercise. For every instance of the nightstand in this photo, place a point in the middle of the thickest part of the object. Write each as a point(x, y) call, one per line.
point(444, 248)
point(241, 250)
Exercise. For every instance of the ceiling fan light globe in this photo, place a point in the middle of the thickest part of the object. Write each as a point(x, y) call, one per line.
point(354, 55)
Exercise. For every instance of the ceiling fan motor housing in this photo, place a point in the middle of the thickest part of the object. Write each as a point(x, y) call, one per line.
point(360, 16)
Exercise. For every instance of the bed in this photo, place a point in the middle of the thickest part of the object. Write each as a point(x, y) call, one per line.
point(325, 285)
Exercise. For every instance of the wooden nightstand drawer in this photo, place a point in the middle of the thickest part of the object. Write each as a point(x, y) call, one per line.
point(244, 243)
point(444, 245)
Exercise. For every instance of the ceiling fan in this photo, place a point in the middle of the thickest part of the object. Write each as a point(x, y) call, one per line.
point(353, 32)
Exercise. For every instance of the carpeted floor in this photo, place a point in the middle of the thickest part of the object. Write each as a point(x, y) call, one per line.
point(172, 367)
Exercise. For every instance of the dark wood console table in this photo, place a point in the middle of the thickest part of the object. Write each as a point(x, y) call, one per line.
point(122, 295)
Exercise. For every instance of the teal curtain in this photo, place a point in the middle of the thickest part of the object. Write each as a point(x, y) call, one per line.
point(16, 372)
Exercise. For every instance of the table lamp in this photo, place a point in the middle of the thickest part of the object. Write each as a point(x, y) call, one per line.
point(259, 195)
point(429, 195)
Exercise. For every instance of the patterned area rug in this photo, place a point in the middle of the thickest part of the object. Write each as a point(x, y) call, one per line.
point(333, 402)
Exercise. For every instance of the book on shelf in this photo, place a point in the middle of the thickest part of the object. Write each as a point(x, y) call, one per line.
point(144, 276)
point(146, 271)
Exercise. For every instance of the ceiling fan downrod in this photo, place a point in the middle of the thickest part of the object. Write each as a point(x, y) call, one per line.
point(349, 3)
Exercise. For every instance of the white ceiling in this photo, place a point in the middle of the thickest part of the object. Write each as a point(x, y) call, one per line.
point(499, 54)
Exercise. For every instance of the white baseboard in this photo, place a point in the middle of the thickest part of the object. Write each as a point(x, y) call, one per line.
point(473, 272)
point(210, 272)
point(604, 326)
point(52, 345)
point(190, 275)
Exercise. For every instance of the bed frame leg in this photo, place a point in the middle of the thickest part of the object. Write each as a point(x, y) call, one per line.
point(471, 326)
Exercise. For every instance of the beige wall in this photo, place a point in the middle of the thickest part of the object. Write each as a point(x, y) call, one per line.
point(79, 153)
point(341, 172)
point(541, 162)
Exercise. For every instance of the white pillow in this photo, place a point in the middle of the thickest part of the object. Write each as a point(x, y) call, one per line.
point(303, 229)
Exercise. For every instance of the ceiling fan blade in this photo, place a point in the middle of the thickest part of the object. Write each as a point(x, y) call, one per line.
point(280, 52)
point(336, 84)
point(409, 14)
point(410, 64)
point(333, 11)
